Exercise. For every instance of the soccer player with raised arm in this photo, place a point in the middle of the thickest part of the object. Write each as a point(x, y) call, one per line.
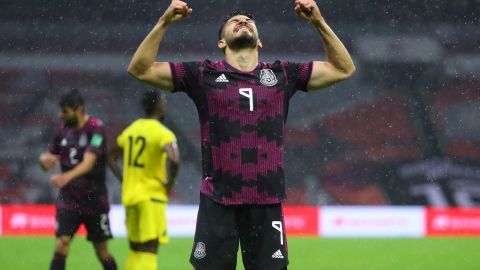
point(79, 148)
point(242, 105)
point(150, 165)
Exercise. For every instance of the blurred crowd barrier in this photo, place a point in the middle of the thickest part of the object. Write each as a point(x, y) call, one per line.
point(328, 221)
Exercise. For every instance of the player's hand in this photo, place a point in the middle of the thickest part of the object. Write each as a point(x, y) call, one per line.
point(48, 161)
point(167, 184)
point(308, 10)
point(176, 11)
point(59, 180)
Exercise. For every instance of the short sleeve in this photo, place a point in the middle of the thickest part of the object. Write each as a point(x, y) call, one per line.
point(167, 136)
point(186, 76)
point(298, 75)
point(97, 143)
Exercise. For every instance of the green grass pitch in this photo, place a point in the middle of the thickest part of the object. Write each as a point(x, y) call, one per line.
point(26, 253)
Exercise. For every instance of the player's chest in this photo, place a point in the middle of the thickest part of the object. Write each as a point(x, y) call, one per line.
point(257, 91)
point(73, 139)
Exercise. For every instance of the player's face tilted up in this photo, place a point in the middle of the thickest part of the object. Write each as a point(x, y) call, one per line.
point(239, 32)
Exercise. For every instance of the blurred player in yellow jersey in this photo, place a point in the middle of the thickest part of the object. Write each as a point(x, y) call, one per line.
point(150, 165)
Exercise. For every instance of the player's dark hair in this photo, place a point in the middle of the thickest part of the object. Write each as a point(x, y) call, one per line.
point(150, 100)
point(73, 99)
point(226, 18)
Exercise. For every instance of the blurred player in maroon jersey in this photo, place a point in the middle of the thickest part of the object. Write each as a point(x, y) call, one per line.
point(79, 148)
point(243, 106)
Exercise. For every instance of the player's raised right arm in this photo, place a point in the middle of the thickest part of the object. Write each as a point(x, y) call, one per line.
point(143, 65)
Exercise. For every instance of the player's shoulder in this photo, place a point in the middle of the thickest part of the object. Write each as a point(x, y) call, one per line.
point(164, 132)
point(214, 65)
point(288, 66)
point(278, 64)
point(137, 125)
point(163, 128)
point(151, 124)
point(94, 122)
point(195, 63)
point(224, 67)
point(60, 127)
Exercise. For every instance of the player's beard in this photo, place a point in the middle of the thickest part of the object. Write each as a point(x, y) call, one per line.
point(244, 41)
point(70, 122)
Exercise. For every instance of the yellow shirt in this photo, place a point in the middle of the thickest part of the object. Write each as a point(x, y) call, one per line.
point(144, 160)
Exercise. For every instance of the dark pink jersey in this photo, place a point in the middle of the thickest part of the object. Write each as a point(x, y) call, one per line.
point(242, 118)
point(87, 193)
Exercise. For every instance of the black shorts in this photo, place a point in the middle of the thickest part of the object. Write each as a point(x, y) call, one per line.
point(258, 228)
point(68, 222)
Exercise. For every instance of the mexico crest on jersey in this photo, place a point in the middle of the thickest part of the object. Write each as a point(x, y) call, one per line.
point(200, 251)
point(267, 77)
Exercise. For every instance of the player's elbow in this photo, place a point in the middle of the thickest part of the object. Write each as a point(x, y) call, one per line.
point(350, 71)
point(89, 161)
point(134, 71)
point(137, 69)
point(88, 167)
point(346, 73)
point(175, 160)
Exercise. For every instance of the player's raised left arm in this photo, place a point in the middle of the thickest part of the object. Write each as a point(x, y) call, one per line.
point(339, 65)
point(89, 160)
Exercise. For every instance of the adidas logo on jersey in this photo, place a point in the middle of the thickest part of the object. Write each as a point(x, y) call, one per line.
point(221, 78)
point(277, 255)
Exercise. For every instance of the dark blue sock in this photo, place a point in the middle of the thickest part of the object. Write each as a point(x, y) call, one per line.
point(109, 264)
point(58, 262)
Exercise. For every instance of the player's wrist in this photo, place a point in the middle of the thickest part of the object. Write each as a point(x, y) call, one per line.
point(44, 167)
point(164, 21)
point(318, 22)
point(68, 176)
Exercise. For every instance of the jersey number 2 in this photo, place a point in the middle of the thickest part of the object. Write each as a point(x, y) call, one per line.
point(138, 142)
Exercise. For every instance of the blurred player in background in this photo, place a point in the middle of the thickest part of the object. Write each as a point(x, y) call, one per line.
point(150, 165)
point(79, 148)
point(242, 105)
